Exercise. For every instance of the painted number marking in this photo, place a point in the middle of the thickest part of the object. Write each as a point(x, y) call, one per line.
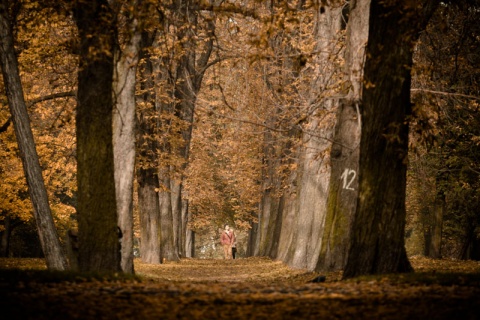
point(348, 177)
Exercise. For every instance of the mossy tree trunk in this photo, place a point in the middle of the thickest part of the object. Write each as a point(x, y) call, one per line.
point(343, 186)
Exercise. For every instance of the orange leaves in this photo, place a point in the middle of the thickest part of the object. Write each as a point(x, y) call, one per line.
point(48, 69)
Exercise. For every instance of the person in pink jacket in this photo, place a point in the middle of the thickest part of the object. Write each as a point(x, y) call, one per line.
point(227, 239)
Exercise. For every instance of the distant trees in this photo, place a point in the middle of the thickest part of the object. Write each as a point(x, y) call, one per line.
point(174, 64)
point(443, 166)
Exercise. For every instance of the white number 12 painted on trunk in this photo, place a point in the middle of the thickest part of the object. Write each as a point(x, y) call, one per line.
point(348, 177)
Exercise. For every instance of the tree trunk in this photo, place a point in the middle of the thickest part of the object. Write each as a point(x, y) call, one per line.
point(147, 177)
point(5, 236)
point(268, 228)
point(313, 173)
point(177, 204)
point(99, 246)
point(149, 210)
point(343, 186)
point(435, 243)
point(167, 240)
point(189, 234)
point(126, 61)
point(313, 176)
point(54, 255)
point(377, 244)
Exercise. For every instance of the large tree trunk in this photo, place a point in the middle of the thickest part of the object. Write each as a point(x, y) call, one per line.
point(343, 187)
point(99, 246)
point(54, 255)
point(377, 244)
point(126, 61)
point(313, 171)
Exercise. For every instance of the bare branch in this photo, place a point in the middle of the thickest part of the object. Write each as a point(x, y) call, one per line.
point(51, 97)
point(30, 103)
point(453, 94)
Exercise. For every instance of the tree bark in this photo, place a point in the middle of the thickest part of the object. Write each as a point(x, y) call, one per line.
point(126, 60)
point(149, 210)
point(343, 186)
point(147, 177)
point(99, 246)
point(435, 243)
point(167, 237)
point(377, 244)
point(313, 173)
point(54, 255)
point(266, 232)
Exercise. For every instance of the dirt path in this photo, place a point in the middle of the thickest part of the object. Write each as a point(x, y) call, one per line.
point(244, 289)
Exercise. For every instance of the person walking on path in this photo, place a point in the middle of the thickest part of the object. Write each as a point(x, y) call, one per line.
point(227, 239)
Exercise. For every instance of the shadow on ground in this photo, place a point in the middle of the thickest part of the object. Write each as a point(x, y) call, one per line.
point(253, 288)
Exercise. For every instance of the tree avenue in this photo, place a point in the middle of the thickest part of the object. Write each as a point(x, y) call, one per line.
point(337, 135)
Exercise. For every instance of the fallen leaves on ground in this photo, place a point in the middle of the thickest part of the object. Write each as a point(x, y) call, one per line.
point(252, 288)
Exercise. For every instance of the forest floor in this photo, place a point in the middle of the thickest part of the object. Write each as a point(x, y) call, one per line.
point(252, 288)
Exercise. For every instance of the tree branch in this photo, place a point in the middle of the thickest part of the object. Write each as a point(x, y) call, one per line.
point(30, 103)
point(51, 97)
point(446, 93)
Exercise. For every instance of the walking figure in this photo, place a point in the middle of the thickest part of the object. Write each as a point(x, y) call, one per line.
point(227, 239)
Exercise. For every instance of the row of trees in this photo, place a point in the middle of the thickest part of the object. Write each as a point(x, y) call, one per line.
point(288, 119)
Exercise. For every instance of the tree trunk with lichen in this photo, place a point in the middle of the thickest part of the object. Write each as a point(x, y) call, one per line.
point(343, 187)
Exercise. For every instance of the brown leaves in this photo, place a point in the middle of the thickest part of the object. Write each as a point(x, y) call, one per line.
point(242, 289)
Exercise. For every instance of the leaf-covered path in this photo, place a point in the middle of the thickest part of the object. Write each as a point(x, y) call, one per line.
point(251, 288)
